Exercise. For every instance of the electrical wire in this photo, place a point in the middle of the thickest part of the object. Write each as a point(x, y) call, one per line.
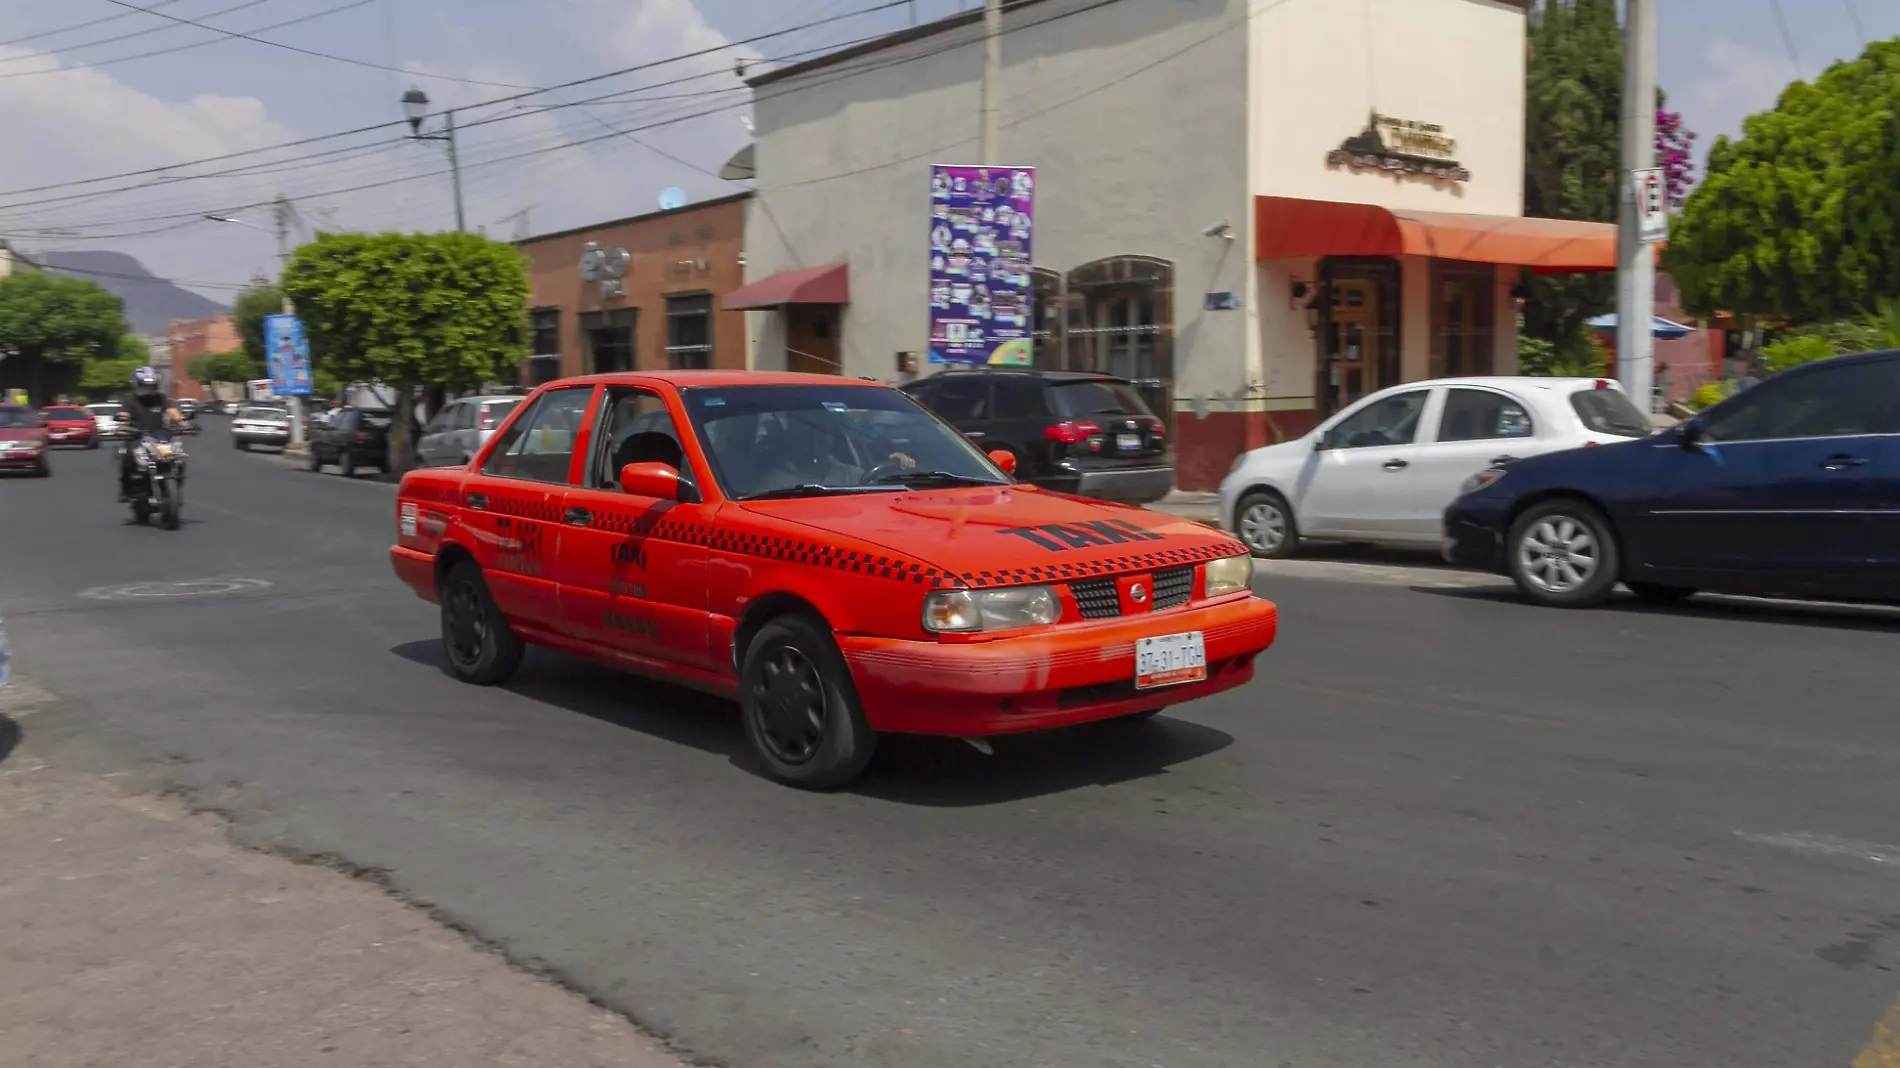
point(1787, 40)
point(148, 31)
point(79, 25)
point(185, 47)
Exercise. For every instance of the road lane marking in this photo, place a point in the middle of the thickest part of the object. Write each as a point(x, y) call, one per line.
point(1883, 1050)
point(1827, 845)
point(209, 587)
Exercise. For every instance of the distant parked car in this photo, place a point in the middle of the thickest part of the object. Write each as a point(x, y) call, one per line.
point(1072, 431)
point(22, 441)
point(355, 438)
point(1383, 469)
point(461, 428)
point(68, 424)
point(260, 425)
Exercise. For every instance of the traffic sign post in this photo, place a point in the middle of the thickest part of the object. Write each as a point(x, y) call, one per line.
point(1652, 220)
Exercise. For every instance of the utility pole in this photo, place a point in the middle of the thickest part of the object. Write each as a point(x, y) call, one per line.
point(280, 212)
point(1635, 257)
point(415, 105)
point(992, 70)
point(455, 171)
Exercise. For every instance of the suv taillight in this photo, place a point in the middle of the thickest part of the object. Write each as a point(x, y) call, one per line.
point(488, 419)
point(1071, 432)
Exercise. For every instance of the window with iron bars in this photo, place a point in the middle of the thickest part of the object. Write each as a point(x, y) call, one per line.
point(689, 331)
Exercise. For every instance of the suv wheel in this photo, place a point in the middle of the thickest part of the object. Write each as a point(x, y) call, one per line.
point(801, 710)
point(1562, 553)
point(1265, 524)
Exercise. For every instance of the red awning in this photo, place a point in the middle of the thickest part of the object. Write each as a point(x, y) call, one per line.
point(814, 285)
point(1288, 227)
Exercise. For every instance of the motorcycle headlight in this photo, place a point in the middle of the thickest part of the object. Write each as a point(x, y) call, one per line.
point(1488, 476)
point(1229, 574)
point(968, 611)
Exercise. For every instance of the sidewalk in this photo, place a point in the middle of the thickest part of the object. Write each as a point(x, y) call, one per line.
point(139, 935)
point(1200, 507)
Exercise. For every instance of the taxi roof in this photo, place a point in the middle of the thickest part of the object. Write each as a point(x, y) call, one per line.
point(690, 379)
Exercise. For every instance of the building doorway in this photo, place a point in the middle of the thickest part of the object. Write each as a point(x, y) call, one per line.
point(1121, 322)
point(1359, 330)
point(609, 337)
point(1462, 319)
point(812, 345)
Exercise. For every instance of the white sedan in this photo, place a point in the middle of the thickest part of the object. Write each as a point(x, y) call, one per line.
point(1384, 469)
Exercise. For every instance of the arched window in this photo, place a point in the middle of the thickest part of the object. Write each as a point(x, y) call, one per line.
point(1121, 322)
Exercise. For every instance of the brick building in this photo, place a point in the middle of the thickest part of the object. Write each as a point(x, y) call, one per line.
point(192, 338)
point(638, 293)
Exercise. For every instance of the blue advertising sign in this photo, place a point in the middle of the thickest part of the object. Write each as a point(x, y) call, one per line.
point(981, 225)
point(289, 356)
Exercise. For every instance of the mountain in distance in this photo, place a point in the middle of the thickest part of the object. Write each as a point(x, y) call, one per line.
point(150, 302)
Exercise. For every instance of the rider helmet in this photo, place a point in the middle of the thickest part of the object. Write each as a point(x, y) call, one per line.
point(144, 380)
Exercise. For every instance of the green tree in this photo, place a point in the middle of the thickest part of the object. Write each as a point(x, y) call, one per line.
point(1795, 350)
point(234, 367)
point(411, 310)
point(250, 310)
point(1578, 355)
point(1800, 218)
point(49, 328)
point(106, 376)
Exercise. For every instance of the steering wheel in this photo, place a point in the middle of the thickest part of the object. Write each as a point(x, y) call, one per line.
point(888, 467)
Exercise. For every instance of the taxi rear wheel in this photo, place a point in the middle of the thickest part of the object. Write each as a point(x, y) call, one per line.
point(801, 710)
point(478, 645)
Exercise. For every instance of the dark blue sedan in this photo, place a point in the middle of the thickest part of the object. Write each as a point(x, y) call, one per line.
point(1791, 488)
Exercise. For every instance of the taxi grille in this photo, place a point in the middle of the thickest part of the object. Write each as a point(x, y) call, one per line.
point(1097, 598)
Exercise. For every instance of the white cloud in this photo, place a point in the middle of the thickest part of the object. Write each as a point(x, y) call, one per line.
point(1741, 82)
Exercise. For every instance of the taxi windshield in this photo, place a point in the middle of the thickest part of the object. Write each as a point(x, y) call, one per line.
point(797, 441)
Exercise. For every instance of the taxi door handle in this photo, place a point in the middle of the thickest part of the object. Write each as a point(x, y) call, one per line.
point(1397, 465)
point(579, 517)
point(478, 501)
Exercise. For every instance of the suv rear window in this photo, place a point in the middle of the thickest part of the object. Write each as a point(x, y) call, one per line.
point(1610, 411)
point(1074, 400)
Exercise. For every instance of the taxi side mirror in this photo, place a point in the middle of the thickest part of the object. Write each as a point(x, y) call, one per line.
point(664, 481)
point(1004, 459)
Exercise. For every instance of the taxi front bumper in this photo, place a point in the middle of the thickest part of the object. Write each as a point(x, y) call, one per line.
point(1052, 678)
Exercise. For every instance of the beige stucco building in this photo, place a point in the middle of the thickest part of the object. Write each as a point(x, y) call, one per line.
point(1258, 209)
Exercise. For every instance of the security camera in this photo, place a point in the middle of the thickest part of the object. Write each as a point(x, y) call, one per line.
point(1219, 229)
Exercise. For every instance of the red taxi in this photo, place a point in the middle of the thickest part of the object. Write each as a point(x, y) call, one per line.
point(22, 441)
point(827, 552)
point(70, 425)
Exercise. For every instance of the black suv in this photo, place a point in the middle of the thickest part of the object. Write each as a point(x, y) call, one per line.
point(1072, 431)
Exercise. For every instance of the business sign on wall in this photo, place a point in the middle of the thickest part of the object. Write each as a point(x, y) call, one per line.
point(288, 356)
point(1401, 147)
point(981, 225)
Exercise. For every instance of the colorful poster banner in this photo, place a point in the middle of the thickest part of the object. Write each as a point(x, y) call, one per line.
point(288, 356)
point(982, 222)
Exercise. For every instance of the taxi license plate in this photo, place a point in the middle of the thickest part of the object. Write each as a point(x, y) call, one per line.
point(1128, 442)
point(1170, 660)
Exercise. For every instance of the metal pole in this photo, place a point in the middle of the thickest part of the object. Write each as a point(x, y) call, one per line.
point(455, 172)
point(1635, 261)
point(992, 68)
point(281, 209)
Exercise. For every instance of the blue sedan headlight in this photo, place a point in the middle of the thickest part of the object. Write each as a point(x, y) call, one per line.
point(1487, 477)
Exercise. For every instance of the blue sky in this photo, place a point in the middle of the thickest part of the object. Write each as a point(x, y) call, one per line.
point(71, 111)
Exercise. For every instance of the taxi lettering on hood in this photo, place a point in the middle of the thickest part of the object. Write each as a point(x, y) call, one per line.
point(1063, 537)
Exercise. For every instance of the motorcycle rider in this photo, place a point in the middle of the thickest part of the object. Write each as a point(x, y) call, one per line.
point(143, 411)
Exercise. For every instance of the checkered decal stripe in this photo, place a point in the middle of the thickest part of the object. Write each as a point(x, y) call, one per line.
point(543, 509)
point(1119, 565)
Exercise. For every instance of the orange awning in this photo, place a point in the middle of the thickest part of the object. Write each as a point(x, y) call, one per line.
point(813, 285)
point(1288, 227)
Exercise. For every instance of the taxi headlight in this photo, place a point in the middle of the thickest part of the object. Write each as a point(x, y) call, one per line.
point(966, 611)
point(1230, 574)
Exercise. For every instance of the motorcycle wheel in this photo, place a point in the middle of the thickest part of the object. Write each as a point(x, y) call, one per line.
point(141, 511)
point(169, 505)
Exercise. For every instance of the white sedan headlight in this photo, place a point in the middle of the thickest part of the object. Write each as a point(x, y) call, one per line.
point(1230, 574)
point(967, 611)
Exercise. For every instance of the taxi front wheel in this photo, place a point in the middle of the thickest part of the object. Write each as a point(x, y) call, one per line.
point(801, 710)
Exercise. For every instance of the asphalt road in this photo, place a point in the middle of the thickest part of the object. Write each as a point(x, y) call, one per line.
point(1443, 828)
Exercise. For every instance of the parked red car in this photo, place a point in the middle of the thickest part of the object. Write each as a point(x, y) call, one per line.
point(22, 441)
point(69, 424)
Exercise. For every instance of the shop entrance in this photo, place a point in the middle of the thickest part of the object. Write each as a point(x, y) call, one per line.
point(1359, 330)
point(812, 345)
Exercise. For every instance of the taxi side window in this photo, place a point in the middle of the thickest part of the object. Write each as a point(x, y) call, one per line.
point(639, 430)
point(540, 445)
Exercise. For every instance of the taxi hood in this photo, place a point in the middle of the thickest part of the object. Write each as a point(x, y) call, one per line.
point(1000, 535)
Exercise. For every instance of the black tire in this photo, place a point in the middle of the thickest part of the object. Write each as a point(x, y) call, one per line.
point(346, 464)
point(93, 444)
point(1254, 524)
point(1577, 551)
point(44, 470)
point(478, 645)
point(239, 445)
point(823, 745)
point(141, 512)
point(316, 459)
point(169, 510)
point(1658, 594)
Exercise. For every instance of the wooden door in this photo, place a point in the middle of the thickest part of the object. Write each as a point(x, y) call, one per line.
point(811, 339)
point(1355, 326)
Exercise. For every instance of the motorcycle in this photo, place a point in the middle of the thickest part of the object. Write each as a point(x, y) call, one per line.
point(158, 479)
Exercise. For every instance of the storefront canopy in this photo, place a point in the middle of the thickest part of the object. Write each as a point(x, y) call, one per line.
point(1289, 227)
point(813, 285)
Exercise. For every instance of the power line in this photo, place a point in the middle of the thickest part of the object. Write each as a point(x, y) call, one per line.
point(882, 6)
point(319, 55)
point(148, 31)
point(1787, 40)
point(79, 25)
point(1853, 15)
point(185, 47)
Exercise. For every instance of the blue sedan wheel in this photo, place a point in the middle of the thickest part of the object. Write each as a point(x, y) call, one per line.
point(1562, 553)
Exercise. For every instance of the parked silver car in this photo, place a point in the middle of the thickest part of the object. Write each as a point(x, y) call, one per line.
point(256, 425)
point(461, 428)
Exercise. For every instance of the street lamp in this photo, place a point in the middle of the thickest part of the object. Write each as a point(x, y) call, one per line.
point(283, 256)
point(415, 106)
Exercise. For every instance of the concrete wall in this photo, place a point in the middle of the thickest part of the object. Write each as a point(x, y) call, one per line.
point(1134, 116)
